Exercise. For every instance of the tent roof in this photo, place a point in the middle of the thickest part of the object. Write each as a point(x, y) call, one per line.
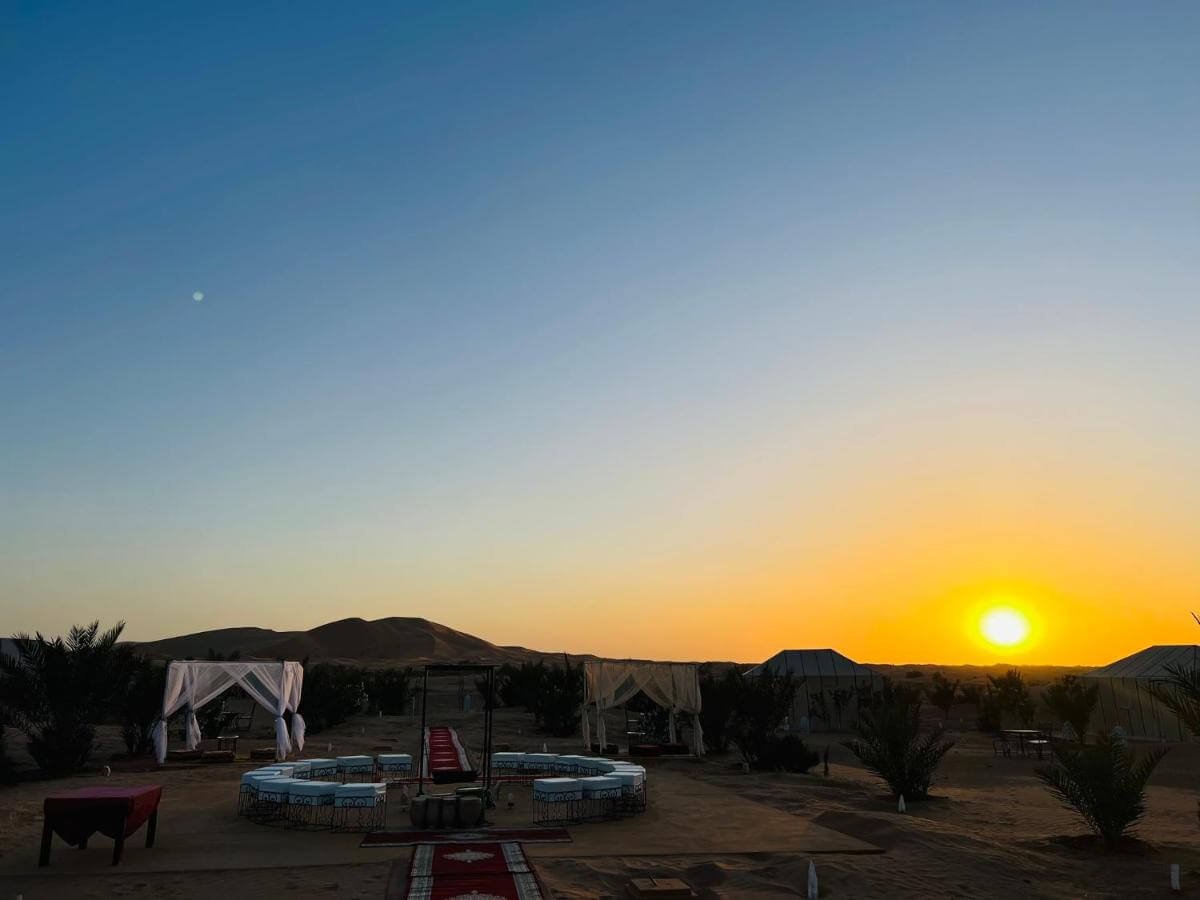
point(1151, 662)
point(824, 663)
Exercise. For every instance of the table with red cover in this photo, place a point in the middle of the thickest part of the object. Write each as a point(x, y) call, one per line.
point(115, 812)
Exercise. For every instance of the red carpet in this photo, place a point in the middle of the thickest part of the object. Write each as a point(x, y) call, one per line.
point(495, 870)
point(473, 836)
point(445, 757)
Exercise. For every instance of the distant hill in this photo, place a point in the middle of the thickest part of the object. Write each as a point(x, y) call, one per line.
point(392, 640)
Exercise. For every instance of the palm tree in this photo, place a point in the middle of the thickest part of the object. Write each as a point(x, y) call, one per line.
point(1104, 783)
point(54, 691)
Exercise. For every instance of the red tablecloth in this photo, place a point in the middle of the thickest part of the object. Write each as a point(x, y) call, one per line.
point(77, 815)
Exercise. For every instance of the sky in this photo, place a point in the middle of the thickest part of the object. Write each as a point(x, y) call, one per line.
point(672, 330)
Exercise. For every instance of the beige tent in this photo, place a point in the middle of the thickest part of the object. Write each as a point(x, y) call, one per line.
point(1125, 699)
point(610, 682)
point(829, 685)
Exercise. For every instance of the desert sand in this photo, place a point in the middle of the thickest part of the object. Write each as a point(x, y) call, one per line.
point(992, 832)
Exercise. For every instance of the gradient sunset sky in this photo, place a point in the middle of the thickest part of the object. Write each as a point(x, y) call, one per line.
point(674, 330)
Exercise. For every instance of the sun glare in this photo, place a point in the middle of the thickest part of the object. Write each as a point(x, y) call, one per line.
point(1004, 627)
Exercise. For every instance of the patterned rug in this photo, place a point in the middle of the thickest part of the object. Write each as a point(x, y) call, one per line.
point(495, 871)
point(475, 836)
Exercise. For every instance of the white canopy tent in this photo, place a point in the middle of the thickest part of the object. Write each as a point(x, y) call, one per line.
point(275, 686)
point(674, 686)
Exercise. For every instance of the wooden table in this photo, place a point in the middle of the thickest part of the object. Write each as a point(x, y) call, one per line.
point(116, 812)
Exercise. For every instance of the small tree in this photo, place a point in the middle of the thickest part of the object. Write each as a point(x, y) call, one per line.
point(558, 701)
point(1103, 783)
point(818, 705)
point(389, 691)
point(718, 696)
point(761, 704)
point(332, 693)
point(1180, 693)
point(1011, 695)
point(841, 699)
point(55, 691)
point(141, 704)
point(889, 742)
point(1073, 701)
point(944, 693)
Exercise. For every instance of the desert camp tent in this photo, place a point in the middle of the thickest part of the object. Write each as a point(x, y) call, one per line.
point(826, 699)
point(1125, 699)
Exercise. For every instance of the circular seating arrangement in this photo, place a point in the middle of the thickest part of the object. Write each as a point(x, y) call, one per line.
point(338, 794)
point(570, 788)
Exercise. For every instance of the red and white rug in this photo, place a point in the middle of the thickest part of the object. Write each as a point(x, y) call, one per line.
point(496, 871)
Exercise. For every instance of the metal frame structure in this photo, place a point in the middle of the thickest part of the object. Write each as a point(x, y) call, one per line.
point(488, 705)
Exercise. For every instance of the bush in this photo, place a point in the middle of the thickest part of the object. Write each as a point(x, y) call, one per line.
point(718, 696)
point(944, 693)
point(1103, 783)
point(554, 694)
point(787, 753)
point(889, 742)
point(1012, 696)
point(1180, 693)
point(332, 693)
point(990, 710)
point(141, 705)
point(54, 691)
point(761, 703)
point(1073, 701)
point(389, 691)
point(6, 767)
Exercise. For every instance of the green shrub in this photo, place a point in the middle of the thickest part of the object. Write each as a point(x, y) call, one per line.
point(1103, 783)
point(1073, 700)
point(332, 693)
point(718, 696)
point(55, 691)
point(944, 694)
point(389, 691)
point(890, 744)
point(761, 705)
point(787, 753)
point(141, 704)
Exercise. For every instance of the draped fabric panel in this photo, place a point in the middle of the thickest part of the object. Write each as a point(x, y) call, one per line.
point(275, 686)
point(673, 686)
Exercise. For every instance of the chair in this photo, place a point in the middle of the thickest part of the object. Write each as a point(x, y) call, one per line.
point(1001, 746)
point(633, 790)
point(318, 769)
point(360, 807)
point(394, 767)
point(601, 797)
point(310, 805)
point(557, 801)
point(356, 768)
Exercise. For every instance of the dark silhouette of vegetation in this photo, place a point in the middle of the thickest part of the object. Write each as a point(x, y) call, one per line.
point(141, 704)
point(786, 753)
point(761, 704)
point(841, 698)
point(553, 694)
point(818, 706)
point(389, 691)
point(332, 693)
point(990, 710)
point(6, 766)
point(1103, 783)
point(1073, 701)
point(55, 691)
point(1012, 696)
point(889, 742)
point(718, 695)
point(944, 693)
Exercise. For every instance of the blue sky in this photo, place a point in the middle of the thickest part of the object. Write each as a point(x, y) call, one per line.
point(526, 313)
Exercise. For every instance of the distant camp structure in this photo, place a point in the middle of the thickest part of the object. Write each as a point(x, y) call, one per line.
point(830, 685)
point(1125, 698)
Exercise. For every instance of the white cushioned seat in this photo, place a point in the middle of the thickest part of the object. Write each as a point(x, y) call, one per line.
point(360, 795)
point(600, 787)
point(276, 790)
point(319, 768)
point(301, 769)
point(395, 762)
point(539, 762)
point(314, 793)
point(628, 779)
point(507, 760)
point(355, 764)
point(553, 790)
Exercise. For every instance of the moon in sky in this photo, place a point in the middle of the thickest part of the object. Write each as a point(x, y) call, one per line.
point(198, 296)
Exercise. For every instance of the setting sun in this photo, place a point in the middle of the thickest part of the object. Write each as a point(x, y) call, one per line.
point(1004, 627)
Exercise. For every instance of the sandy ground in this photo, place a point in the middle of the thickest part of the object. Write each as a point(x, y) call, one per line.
point(993, 832)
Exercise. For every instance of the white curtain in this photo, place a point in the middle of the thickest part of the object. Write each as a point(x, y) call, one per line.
point(674, 686)
point(273, 685)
